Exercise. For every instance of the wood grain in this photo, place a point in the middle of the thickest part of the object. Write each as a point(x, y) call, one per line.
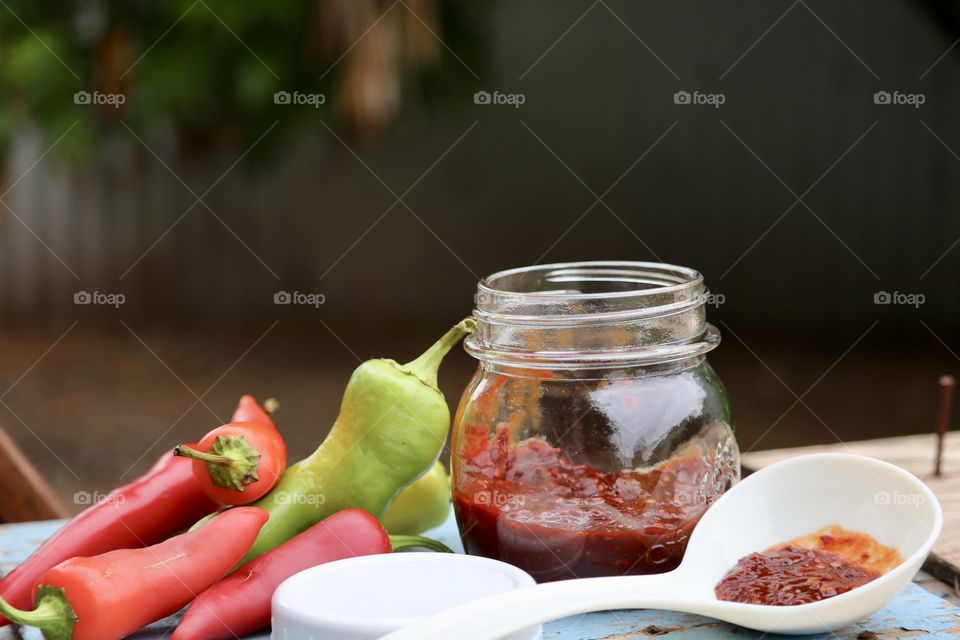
point(916, 612)
point(26, 495)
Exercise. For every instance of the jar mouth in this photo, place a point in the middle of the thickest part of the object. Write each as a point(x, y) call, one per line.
point(591, 314)
point(544, 293)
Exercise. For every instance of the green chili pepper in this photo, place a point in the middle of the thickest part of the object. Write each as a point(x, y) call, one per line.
point(423, 505)
point(392, 425)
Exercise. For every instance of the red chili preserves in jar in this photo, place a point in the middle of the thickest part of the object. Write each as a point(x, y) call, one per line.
point(531, 506)
point(807, 569)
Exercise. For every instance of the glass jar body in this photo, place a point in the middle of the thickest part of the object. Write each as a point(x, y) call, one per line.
point(572, 473)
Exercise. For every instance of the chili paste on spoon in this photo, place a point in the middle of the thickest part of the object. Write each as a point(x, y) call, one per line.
point(814, 567)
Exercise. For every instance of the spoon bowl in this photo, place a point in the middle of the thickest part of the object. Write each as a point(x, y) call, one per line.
point(774, 505)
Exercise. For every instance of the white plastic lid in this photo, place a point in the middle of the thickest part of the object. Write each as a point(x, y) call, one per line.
point(368, 597)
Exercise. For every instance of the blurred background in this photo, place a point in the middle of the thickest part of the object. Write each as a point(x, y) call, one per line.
point(172, 173)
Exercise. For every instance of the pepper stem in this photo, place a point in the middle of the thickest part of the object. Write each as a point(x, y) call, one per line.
point(270, 405)
point(53, 614)
point(186, 452)
point(400, 543)
point(232, 462)
point(426, 366)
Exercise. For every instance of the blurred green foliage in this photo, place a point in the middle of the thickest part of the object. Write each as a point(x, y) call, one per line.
point(208, 69)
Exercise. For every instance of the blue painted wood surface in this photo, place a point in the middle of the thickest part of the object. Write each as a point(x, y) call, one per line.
point(914, 613)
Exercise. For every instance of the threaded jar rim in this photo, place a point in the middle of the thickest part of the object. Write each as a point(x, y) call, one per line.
point(596, 314)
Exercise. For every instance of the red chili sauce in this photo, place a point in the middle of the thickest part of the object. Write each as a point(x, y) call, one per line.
point(531, 506)
point(820, 565)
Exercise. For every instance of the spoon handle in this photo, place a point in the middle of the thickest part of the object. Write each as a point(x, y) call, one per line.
point(497, 617)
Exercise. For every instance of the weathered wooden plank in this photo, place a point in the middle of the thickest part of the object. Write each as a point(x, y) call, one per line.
point(915, 454)
point(27, 496)
point(915, 613)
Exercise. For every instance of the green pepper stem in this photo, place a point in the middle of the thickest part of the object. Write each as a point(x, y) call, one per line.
point(399, 543)
point(426, 366)
point(186, 452)
point(53, 615)
point(232, 462)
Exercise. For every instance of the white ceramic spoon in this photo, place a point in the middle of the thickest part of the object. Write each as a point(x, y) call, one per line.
point(781, 502)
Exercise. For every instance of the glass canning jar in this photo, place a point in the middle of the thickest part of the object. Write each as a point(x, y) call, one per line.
point(594, 433)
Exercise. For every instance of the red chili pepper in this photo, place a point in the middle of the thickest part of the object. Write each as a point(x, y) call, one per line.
point(238, 462)
point(110, 596)
point(165, 500)
point(240, 603)
point(249, 410)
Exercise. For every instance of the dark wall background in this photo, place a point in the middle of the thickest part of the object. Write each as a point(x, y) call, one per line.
point(495, 186)
point(799, 97)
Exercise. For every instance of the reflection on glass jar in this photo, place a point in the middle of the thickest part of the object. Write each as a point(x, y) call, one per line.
point(594, 434)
